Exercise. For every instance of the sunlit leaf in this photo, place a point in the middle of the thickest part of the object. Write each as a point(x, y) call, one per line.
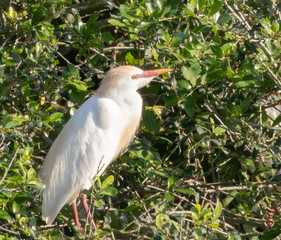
point(185, 191)
point(107, 182)
point(53, 117)
point(110, 191)
point(189, 75)
point(218, 210)
point(4, 215)
point(116, 22)
point(216, 6)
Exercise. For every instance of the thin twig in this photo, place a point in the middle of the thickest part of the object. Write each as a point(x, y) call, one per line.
point(10, 164)
point(261, 126)
point(3, 136)
point(9, 231)
point(273, 76)
point(149, 216)
point(7, 39)
point(108, 49)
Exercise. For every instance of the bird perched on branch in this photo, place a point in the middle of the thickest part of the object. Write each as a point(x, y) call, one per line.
point(99, 131)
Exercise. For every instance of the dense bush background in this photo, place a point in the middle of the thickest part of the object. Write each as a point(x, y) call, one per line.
point(209, 140)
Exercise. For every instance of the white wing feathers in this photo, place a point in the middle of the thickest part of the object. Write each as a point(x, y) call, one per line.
point(76, 154)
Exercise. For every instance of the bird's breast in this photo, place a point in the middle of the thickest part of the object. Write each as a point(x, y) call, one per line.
point(130, 117)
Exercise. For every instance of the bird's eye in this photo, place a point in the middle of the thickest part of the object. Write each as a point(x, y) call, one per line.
point(134, 76)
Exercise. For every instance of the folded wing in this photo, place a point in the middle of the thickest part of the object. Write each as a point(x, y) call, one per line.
point(80, 151)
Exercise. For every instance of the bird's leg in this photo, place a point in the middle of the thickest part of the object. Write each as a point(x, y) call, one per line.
point(75, 214)
point(86, 208)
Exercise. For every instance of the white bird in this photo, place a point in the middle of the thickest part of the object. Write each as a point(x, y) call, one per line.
point(99, 131)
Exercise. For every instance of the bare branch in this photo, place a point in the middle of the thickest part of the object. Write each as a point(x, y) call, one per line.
point(10, 164)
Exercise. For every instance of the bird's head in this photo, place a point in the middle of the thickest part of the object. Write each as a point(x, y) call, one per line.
point(127, 78)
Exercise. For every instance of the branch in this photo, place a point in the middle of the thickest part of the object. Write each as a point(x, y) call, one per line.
point(10, 164)
point(273, 76)
point(108, 49)
point(244, 22)
point(3, 136)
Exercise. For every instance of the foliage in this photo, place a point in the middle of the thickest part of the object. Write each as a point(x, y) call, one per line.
point(209, 139)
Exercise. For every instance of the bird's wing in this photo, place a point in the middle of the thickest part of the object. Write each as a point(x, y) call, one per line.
point(80, 150)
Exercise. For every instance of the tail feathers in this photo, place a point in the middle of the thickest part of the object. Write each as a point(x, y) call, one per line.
point(50, 216)
point(49, 221)
point(51, 208)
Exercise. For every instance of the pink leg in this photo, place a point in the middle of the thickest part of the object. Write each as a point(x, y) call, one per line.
point(75, 214)
point(86, 208)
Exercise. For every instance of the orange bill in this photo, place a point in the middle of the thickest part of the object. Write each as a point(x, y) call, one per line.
point(154, 72)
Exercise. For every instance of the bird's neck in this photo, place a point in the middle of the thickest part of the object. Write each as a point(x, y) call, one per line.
point(117, 94)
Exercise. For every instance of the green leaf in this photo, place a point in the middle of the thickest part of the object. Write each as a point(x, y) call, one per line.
point(195, 212)
point(107, 182)
point(110, 191)
point(247, 81)
point(193, 4)
point(172, 101)
point(53, 117)
point(218, 210)
point(215, 8)
point(219, 131)
point(3, 92)
point(217, 51)
point(275, 27)
point(185, 191)
point(12, 124)
point(4, 215)
point(205, 213)
point(224, 18)
point(92, 19)
point(158, 173)
point(77, 90)
point(166, 37)
point(171, 182)
point(260, 171)
point(10, 61)
point(189, 105)
point(8, 194)
point(108, 37)
point(11, 13)
point(271, 234)
point(37, 16)
point(265, 23)
point(123, 9)
point(103, 233)
point(98, 181)
point(16, 207)
point(116, 23)
point(189, 75)
point(151, 122)
point(130, 58)
point(184, 84)
point(169, 197)
point(18, 51)
point(276, 121)
point(245, 103)
point(35, 184)
point(99, 203)
point(161, 219)
point(70, 17)
point(217, 40)
point(31, 172)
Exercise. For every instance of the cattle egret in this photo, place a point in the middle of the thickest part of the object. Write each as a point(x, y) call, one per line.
point(97, 133)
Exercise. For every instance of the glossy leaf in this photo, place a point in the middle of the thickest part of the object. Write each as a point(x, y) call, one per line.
point(107, 182)
point(218, 210)
point(216, 6)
